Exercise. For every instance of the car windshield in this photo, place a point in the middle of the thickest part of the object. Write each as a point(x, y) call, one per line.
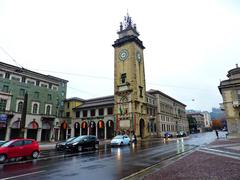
point(79, 138)
point(7, 143)
point(70, 139)
point(118, 137)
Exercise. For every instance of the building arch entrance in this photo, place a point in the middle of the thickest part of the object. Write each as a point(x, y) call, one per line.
point(32, 130)
point(63, 130)
point(84, 127)
point(110, 129)
point(76, 129)
point(46, 129)
point(101, 129)
point(92, 128)
point(15, 130)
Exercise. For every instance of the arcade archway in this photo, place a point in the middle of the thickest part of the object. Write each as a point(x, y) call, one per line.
point(76, 129)
point(32, 130)
point(101, 128)
point(63, 131)
point(110, 129)
point(46, 128)
point(84, 127)
point(92, 128)
point(15, 130)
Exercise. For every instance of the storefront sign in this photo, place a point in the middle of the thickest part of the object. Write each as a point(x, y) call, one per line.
point(3, 117)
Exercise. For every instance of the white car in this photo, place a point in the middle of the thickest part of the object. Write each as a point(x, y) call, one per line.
point(120, 140)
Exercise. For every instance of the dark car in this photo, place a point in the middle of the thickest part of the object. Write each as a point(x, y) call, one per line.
point(19, 148)
point(82, 142)
point(181, 134)
point(168, 135)
point(60, 146)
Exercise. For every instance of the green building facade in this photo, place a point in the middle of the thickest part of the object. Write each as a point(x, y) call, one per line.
point(30, 104)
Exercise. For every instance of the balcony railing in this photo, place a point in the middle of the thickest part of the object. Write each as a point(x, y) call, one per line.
point(236, 103)
point(221, 106)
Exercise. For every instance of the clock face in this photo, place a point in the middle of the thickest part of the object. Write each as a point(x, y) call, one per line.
point(138, 56)
point(123, 54)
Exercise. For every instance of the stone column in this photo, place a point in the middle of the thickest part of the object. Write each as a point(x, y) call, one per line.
point(105, 130)
point(96, 131)
point(8, 131)
point(39, 133)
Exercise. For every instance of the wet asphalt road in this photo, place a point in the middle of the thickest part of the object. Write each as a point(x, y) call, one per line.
point(106, 163)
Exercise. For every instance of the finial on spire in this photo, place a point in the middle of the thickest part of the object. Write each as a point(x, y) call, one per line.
point(127, 26)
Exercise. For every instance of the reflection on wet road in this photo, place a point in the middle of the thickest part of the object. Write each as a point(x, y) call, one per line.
point(106, 163)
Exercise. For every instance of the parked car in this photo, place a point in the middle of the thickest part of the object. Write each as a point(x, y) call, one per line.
point(60, 146)
point(82, 142)
point(2, 142)
point(120, 140)
point(19, 148)
point(181, 134)
point(168, 135)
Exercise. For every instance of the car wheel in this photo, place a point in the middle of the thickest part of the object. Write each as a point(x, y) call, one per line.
point(79, 148)
point(35, 154)
point(121, 144)
point(3, 158)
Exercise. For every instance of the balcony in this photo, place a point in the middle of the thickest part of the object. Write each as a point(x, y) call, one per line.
point(221, 106)
point(236, 103)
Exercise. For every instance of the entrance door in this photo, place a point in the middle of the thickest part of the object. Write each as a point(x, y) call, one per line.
point(45, 136)
point(46, 128)
point(76, 129)
point(84, 128)
point(101, 128)
point(32, 134)
point(14, 133)
point(92, 128)
point(110, 129)
point(3, 133)
point(141, 128)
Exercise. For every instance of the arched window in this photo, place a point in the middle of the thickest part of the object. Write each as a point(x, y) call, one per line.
point(20, 107)
point(48, 110)
point(35, 108)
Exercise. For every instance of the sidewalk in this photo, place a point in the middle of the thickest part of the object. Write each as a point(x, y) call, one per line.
point(219, 160)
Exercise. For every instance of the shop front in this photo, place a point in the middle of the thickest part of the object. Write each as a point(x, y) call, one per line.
point(3, 126)
point(32, 130)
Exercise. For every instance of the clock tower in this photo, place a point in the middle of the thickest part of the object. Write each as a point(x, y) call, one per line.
point(129, 80)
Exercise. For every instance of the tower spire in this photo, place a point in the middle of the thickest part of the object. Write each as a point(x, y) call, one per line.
point(127, 26)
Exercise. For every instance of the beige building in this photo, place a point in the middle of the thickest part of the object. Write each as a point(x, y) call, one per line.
point(170, 114)
point(230, 91)
point(199, 117)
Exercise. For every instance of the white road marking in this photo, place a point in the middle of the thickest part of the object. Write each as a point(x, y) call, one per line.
point(22, 175)
point(220, 153)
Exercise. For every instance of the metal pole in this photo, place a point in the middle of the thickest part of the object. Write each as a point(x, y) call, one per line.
point(23, 116)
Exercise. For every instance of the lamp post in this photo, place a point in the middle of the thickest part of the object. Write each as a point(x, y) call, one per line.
point(23, 116)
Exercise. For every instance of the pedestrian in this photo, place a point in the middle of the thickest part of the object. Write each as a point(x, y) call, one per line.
point(134, 138)
point(216, 133)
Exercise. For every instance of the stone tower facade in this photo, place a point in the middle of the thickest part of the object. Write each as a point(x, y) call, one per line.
point(129, 80)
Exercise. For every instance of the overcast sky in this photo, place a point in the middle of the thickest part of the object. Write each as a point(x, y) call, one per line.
point(190, 45)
